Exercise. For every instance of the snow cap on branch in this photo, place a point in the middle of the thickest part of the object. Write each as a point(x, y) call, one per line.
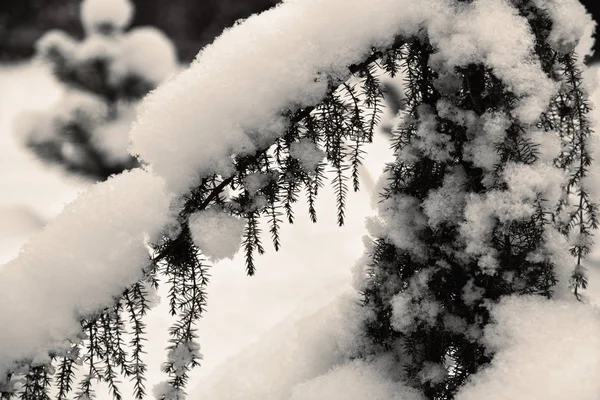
point(190, 126)
point(493, 33)
point(87, 256)
point(251, 64)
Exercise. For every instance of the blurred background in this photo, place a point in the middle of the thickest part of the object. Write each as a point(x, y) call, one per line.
point(191, 24)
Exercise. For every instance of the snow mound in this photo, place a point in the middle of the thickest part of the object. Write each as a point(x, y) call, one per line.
point(289, 355)
point(545, 349)
point(356, 380)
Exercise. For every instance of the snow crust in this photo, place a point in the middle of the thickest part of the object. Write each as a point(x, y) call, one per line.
point(217, 233)
point(545, 349)
point(75, 266)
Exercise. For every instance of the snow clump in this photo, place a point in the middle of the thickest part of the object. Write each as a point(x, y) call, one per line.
point(217, 233)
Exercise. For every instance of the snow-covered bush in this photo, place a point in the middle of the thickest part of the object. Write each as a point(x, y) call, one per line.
point(484, 216)
point(105, 75)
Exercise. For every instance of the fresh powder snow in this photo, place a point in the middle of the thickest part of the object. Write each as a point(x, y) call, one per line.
point(191, 127)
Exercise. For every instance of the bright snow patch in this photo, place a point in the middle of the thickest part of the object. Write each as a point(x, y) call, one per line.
point(544, 350)
point(356, 380)
point(147, 52)
point(217, 233)
point(90, 253)
point(291, 354)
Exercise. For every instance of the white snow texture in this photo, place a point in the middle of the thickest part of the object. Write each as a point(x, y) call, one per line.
point(545, 349)
point(90, 253)
point(228, 103)
point(217, 233)
point(252, 64)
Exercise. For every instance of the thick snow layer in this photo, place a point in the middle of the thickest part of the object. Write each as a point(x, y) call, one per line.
point(238, 85)
point(217, 233)
point(284, 279)
point(90, 253)
point(241, 83)
point(544, 350)
point(480, 32)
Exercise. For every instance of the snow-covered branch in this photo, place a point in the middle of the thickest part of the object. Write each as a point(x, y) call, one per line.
point(252, 113)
